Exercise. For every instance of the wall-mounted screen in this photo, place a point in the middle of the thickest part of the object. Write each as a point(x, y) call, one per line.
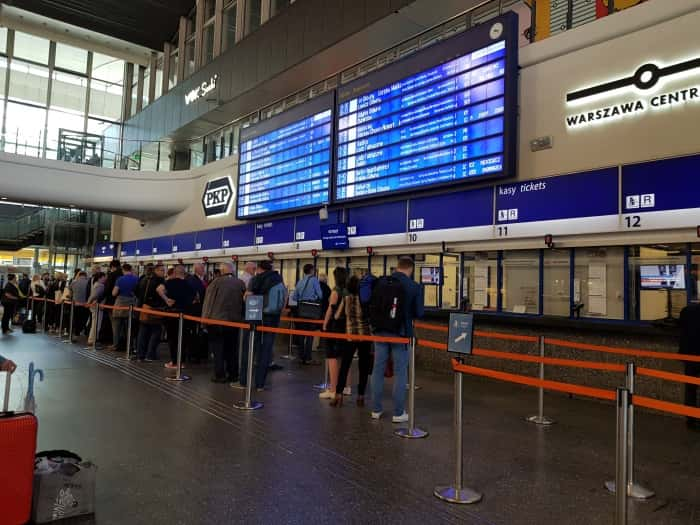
point(657, 276)
point(430, 275)
point(445, 115)
point(285, 161)
point(334, 237)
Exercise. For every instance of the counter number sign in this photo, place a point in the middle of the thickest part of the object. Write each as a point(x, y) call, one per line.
point(461, 333)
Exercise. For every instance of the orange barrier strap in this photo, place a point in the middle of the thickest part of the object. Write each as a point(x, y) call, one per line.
point(216, 322)
point(593, 365)
point(665, 406)
point(480, 333)
point(669, 376)
point(302, 320)
point(111, 307)
point(623, 351)
point(432, 344)
point(333, 335)
point(531, 381)
point(157, 313)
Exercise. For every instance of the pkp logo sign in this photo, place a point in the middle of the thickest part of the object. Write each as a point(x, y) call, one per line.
point(217, 198)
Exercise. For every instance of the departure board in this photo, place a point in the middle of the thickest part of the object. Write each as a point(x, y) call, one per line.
point(415, 124)
point(285, 161)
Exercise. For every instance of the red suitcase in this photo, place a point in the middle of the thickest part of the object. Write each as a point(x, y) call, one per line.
point(18, 447)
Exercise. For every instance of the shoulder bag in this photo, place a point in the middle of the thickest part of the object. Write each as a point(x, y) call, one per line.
point(309, 309)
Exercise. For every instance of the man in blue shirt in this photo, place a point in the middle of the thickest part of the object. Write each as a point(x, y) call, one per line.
point(124, 296)
point(308, 289)
point(412, 309)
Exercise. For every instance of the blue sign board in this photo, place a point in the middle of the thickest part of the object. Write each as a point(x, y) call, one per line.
point(254, 308)
point(377, 219)
point(128, 249)
point(275, 232)
point(238, 236)
point(334, 236)
point(671, 184)
point(208, 240)
point(285, 161)
point(435, 118)
point(144, 247)
point(307, 228)
point(184, 242)
point(104, 249)
point(461, 333)
point(452, 210)
point(588, 194)
point(162, 245)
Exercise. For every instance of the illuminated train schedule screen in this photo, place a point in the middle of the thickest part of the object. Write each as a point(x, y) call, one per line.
point(445, 124)
point(285, 161)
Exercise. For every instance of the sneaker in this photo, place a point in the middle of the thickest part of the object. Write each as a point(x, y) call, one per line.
point(347, 391)
point(400, 419)
point(326, 394)
point(376, 415)
point(170, 365)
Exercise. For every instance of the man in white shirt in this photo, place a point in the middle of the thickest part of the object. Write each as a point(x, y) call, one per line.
point(248, 273)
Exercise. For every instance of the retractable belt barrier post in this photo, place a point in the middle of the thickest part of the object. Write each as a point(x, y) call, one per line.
point(412, 432)
point(43, 315)
point(457, 493)
point(634, 490)
point(325, 383)
point(129, 321)
point(540, 418)
point(623, 401)
point(289, 355)
point(179, 375)
point(248, 403)
point(60, 321)
point(70, 324)
point(98, 306)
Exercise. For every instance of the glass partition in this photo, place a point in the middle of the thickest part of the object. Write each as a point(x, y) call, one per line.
point(556, 282)
point(521, 282)
point(479, 280)
point(599, 284)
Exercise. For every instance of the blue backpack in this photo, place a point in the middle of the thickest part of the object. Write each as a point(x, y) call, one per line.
point(366, 287)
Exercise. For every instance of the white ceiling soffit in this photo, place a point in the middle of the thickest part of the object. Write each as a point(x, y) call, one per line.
point(14, 18)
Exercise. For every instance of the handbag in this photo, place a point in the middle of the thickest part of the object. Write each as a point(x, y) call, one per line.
point(147, 318)
point(309, 309)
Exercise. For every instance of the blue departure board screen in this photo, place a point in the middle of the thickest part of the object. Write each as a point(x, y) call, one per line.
point(285, 161)
point(415, 124)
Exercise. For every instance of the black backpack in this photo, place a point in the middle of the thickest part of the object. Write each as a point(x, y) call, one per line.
point(387, 306)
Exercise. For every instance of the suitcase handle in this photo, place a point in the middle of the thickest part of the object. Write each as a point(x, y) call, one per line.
point(8, 383)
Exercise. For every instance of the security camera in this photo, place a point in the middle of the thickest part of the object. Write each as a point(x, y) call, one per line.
point(142, 223)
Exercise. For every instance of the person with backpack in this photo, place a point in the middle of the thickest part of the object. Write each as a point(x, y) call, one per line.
point(309, 298)
point(335, 321)
point(268, 283)
point(396, 301)
point(357, 323)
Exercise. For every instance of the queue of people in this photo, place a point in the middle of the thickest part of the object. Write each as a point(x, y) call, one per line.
point(387, 309)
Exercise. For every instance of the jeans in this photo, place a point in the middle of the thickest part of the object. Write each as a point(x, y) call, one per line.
point(399, 353)
point(149, 339)
point(307, 342)
point(118, 331)
point(364, 365)
point(80, 318)
point(95, 325)
point(223, 342)
point(263, 347)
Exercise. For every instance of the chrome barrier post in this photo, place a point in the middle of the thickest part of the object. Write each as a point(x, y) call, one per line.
point(97, 326)
point(249, 404)
point(623, 400)
point(60, 322)
point(128, 356)
point(43, 315)
point(540, 418)
point(412, 432)
point(634, 490)
point(70, 321)
point(289, 355)
point(179, 376)
point(324, 384)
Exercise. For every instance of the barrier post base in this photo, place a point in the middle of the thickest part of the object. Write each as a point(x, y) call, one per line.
point(411, 433)
point(254, 405)
point(634, 491)
point(540, 420)
point(130, 358)
point(322, 386)
point(181, 378)
point(455, 495)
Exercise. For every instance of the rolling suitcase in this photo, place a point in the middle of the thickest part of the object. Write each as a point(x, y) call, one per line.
point(29, 325)
point(18, 445)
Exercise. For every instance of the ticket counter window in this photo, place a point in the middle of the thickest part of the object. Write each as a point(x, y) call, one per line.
point(479, 281)
point(427, 273)
point(358, 266)
point(450, 281)
point(377, 265)
point(521, 282)
point(333, 263)
point(556, 283)
point(658, 281)
point(392, 261)
point(694, 274)
point(289, 274)
point(599, 282)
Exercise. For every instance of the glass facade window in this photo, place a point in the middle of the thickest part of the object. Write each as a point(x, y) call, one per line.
point(172, 70)
point(105, 100)
point(208, 44)
point(68, 92)
point(62, 121)
point(189, 56)
point(480, 280)
point(24, 129)
point(28, 83)
point(599, 283)
point(108, 68)
point(229, 27)
point(253, 15)
point(71, 58)
point(658, 281)
point(521, 282)
point(146, 87)
point(3, 75)
point(159, 78)
point(209, 9)
point(3, 40)
point(32, 48)
point(556, 283)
